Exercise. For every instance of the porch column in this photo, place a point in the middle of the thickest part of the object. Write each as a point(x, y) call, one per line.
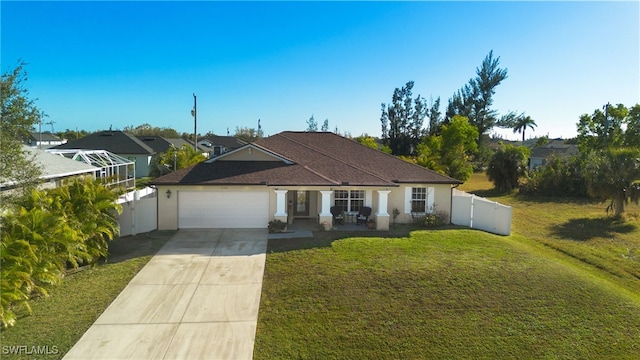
point(382, 216)
point(325, 208)
point(281, 205)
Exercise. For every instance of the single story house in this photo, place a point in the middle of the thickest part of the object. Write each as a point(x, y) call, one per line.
point(54, 169)
point(120, 143)
point(219, 145)
point(43, 140)
point(540, 154)
point(294, 175)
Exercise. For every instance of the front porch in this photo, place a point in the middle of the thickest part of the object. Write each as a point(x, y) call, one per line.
point(304, 228)
point(313, 207)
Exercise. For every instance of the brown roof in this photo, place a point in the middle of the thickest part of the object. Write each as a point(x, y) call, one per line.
point(319, 158)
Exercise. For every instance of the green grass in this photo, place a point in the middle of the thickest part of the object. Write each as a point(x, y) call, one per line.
point(558, 287)
point(62, 318)
point(578, 228)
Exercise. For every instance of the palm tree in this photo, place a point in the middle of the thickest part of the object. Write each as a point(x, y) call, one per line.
point(522, 123)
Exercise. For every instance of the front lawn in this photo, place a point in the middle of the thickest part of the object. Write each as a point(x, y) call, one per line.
point(439, 294)
point(565, 284)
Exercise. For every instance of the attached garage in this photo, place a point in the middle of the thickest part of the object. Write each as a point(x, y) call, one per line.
point(223, 209)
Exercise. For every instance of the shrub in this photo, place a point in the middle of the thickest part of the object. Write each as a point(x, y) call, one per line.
point(49, 231)
point(276, 226)
point(559, 177)
point(432, 220)
point(507, 166)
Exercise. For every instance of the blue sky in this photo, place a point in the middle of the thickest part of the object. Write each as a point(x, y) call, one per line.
point(93, 65)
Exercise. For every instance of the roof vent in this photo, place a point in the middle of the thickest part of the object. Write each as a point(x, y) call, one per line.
point(345, 183)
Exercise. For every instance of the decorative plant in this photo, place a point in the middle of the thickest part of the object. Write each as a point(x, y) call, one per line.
point(276, 226)
point(371, 223)
point(395, 213)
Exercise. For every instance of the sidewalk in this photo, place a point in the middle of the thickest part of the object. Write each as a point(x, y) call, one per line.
point(197, 298)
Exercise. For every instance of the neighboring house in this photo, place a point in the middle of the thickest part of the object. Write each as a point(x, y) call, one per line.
point(122, 144)
point(55, 169)
point(43, 140)
point(178, 143)
point(294, 175)
point(539, 155)
point(220, 144)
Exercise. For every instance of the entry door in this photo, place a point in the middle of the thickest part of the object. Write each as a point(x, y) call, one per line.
point(301, 203)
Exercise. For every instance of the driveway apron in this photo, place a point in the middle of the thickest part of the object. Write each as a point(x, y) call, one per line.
point(197, 298)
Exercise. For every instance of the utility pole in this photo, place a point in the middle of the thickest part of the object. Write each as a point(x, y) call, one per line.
point(194, 113)
point(606, 122)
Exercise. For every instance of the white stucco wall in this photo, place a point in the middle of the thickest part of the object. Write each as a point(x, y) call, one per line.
point(168, 206)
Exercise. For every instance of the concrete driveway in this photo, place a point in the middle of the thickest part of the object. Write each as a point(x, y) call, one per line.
point(197, 298)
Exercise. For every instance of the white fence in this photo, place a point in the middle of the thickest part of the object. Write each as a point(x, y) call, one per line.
point(139, 212)
point(479, 213)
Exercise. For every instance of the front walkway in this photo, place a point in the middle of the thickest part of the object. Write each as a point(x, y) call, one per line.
point(197, 298)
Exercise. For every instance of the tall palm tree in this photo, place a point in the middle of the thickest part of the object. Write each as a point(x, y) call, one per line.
point(522, 123)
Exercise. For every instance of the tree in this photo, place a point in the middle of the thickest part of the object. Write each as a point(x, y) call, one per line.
point(542, 141)
point(402, 121)
point(435, 117)
point(450, 152)
point(506, 166)
point(475, 99)
point(371, 142)
point(632, 133)
point(18, 115)
point(72, 134)
point(312, 124)
point(325, 125)
point(604, 128)
point(149, 130)
point(609, 142)
point(522, 123)
point(47, 231)
point(175, 159)
point(612, 174)
point(247, 134)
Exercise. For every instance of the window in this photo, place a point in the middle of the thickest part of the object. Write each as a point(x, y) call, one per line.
point(419, 200)
point(350, 200)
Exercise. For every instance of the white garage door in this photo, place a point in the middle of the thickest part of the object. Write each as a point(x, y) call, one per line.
point(223, 209)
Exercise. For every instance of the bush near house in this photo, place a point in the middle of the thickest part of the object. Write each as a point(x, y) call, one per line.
point(559, 177)
point(49, 231)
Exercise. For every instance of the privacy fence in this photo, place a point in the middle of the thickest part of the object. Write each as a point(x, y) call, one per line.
point(139, 212)
point(480, 213)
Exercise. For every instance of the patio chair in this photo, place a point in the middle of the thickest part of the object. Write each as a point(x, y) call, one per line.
point(338, 214)
point(363, 215)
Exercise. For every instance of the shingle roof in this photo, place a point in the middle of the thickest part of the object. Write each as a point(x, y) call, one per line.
point(320, 158)
point(36, 136)
point(557, 150)
point(117, 142)
point(228, 142)
point(155, 142)
point(178, 143)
